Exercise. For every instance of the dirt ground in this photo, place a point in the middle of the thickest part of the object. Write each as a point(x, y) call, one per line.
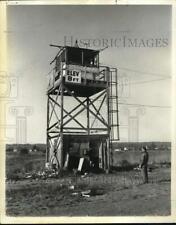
point(115, 194)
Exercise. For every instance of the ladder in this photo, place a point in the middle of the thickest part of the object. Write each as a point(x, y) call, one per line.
point(113, 110)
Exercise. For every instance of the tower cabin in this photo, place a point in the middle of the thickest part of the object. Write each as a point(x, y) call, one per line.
point(80, 70)
point(77, 73)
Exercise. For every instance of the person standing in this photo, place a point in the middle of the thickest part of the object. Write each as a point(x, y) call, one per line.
point(144, 164)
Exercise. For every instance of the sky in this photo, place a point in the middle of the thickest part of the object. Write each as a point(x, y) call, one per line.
point(139, 45)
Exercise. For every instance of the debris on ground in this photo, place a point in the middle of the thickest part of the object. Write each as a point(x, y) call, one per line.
point(86, 193)
point(44, 174)
point(137, 168)
point(85, 175)
point(75, 193)
point(72, 187)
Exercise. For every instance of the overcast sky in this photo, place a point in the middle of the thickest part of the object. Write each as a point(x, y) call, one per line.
point(32, 28)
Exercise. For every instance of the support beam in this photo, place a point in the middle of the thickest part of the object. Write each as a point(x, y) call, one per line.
point(88, 117)
point(49, 128)
point(72, 117)
point(82, 104)
point(61, 124)
point(47, 137)
point(56, 101)
point(99, 110)
point(85, 107)
point(109, 120)
point(90, 129)
point(53, 107)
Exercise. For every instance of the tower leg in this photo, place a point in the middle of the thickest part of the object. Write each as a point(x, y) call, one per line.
point(88, 123)
point(47, 136)
point(61, 126)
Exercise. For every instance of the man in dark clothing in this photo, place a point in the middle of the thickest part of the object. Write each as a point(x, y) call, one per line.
point(144, 164)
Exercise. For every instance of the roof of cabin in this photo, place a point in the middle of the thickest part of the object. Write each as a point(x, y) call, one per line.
point(83, 49)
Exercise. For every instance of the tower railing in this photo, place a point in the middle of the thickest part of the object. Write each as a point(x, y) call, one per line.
point(87, 73)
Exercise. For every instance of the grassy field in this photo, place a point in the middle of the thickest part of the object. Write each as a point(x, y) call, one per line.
point(133, 157)
point(119, 193)
point(116, 194)
point(18, 164)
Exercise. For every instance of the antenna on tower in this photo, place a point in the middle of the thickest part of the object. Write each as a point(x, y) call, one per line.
point(103, 49)
point(60, 49)
point(86, 44)
point(76, 44)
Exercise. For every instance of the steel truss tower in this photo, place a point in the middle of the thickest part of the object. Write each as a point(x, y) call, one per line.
point(82, 109)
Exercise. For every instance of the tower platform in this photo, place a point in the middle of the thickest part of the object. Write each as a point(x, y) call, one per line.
point(86, 88)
